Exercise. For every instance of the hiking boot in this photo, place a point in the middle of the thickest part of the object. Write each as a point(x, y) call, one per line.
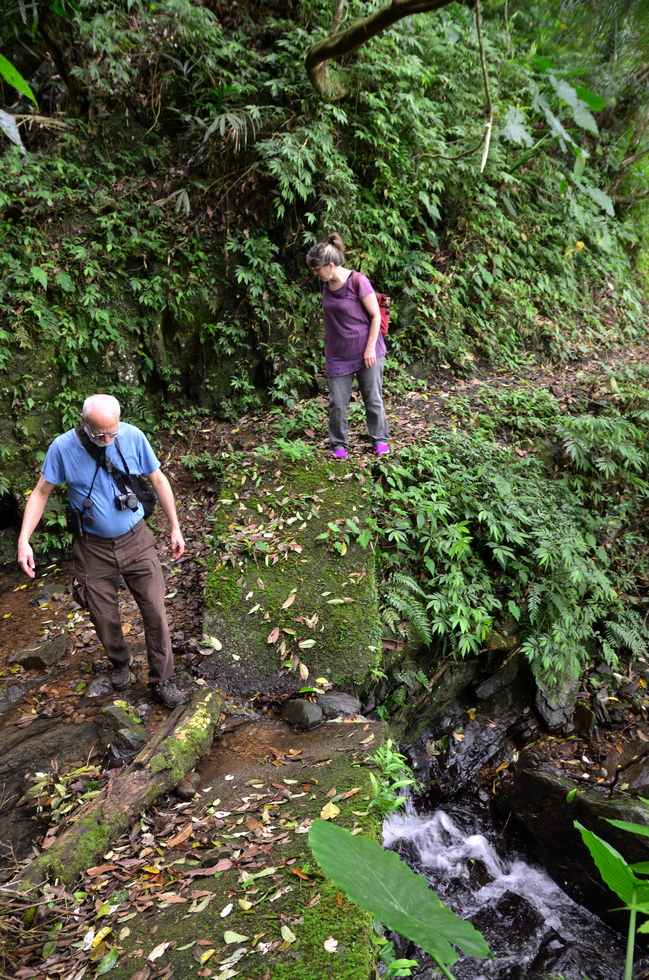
point(120, 675)
point(168, 694)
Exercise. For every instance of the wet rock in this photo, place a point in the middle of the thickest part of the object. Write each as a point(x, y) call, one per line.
point(46, 593)
point(335, 703)
point(187, 788)
point(511, 923)
point(10, 695)
point(631, 767)
point(100, 687)
point(304, 714)
point(502, 678)
point(496, 641)
point(556, 708)
point(539, 805)
point(121, 736)
point(42, 655)
point(584, 720)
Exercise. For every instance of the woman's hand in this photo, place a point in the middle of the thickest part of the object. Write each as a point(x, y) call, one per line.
point(370, 356)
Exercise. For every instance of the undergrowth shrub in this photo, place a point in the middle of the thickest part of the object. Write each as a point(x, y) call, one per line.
point(472, 534)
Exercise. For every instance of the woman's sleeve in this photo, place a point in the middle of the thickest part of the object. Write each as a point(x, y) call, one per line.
point(365, 287)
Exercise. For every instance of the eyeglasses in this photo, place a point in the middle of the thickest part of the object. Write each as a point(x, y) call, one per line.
point(100, 435)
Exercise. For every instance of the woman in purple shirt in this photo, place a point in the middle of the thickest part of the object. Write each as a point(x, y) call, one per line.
point(354, 344)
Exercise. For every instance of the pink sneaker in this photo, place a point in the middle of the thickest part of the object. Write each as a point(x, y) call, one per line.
point(382, 449)
point(340, 452)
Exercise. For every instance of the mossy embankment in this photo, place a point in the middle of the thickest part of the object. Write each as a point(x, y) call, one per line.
point(284, 604)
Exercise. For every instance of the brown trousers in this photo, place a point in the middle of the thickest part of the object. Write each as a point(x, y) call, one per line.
point(98, 563)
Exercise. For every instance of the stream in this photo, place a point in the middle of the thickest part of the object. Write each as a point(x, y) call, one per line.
point(532, 927)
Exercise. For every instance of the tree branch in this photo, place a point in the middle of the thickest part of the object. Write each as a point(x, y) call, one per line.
point(343, 42)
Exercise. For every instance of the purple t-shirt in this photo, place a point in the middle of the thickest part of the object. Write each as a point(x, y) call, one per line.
point(347, 327)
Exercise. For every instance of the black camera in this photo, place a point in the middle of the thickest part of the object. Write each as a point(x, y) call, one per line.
point(127, 501)
point(73, 520)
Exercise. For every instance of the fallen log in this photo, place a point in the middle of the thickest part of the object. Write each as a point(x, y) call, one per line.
point(163, 762)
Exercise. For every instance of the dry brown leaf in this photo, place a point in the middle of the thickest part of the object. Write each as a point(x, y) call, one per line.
point(273, 636)
point(289, 601)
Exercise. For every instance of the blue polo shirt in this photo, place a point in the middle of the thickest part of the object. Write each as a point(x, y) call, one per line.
point(68, 462)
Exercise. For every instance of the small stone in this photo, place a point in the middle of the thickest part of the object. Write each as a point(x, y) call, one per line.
point(100, 687)
point(335, 703)
point(188, 786)
point(42, 655)
point(304, 714)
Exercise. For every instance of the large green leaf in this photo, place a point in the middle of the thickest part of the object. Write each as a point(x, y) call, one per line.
point(15, 79)
point(614, 869)
point(594, 101)
point(381, 883)
point(634, 828)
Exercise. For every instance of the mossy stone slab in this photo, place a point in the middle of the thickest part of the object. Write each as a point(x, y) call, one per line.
point(269, 572)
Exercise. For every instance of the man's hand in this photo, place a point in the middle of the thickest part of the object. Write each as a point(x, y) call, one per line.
point(33, 513)
point(26, 559)
point(177, 544)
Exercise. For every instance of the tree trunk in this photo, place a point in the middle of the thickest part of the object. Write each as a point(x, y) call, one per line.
point(165, 759)
point(337, 45)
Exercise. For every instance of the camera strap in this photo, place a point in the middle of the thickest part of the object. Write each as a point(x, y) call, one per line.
point(99, 455)
point(126, 482)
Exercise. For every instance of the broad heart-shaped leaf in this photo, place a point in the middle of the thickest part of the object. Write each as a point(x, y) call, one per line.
point(614, 869)
point(381, 883)
point(15, 79)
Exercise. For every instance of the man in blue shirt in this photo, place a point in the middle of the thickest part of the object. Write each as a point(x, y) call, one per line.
point(115, 541)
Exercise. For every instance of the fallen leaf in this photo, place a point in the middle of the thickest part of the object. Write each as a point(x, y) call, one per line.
point(287, 935)
point(226, 911)
point(330, 795)
point(331, 944)
point(273, 636)
point(300, 874)
point(158, 951)
point(304, 672)
point(181, 836)
point(215, 643)
point(234, 937)
point(260, 583)
point(306, 644)
point(289, 601)
point(351, 792)
point(329, 812)
point(367, 740)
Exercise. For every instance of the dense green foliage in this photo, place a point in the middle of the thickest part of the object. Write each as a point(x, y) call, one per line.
point(551, 537)
point(152, 240)
point(154, 246)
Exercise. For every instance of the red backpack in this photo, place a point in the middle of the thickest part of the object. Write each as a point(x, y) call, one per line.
point(384, 305)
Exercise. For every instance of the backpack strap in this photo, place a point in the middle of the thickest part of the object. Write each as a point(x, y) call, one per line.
point(355, 283)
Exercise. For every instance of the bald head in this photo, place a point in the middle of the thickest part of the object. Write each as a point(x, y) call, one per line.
point(100, 415)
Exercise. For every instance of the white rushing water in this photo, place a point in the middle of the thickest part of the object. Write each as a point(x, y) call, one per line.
point(534, 929)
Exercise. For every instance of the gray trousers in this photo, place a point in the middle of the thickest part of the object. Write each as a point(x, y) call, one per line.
point(370, 382)
point(98, 564)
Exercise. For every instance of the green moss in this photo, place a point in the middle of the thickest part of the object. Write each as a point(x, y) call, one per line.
point(312, 908)
point(268, 530)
